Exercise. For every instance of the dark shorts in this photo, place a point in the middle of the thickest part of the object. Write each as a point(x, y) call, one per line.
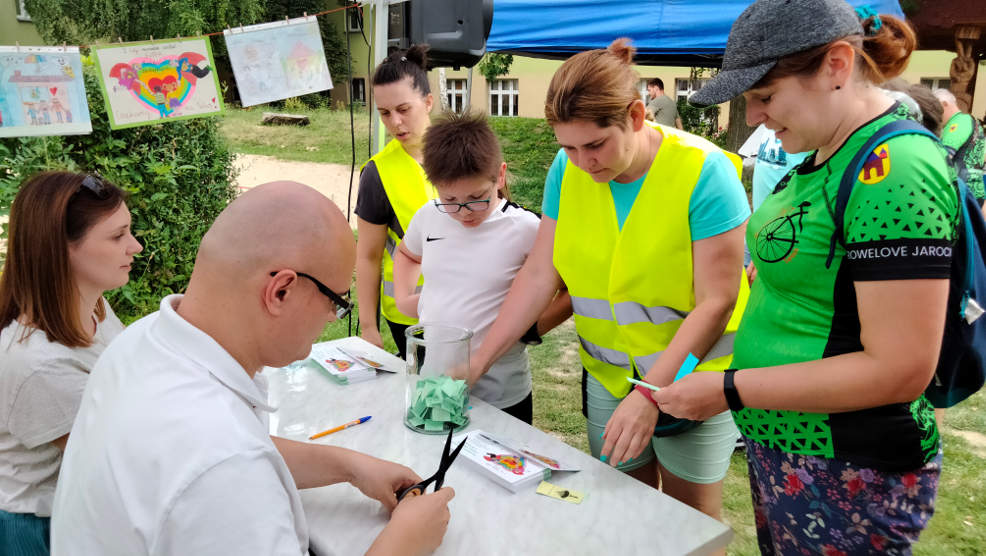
point(811, 505)
point(24, 534)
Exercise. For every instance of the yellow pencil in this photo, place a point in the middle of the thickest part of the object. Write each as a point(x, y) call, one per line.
point(339, 428)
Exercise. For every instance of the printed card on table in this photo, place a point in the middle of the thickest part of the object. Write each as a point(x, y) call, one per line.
point(42, 92)
point(278, 60)
point(151, 82)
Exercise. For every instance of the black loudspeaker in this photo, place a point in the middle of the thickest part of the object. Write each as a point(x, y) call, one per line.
point(456, 30)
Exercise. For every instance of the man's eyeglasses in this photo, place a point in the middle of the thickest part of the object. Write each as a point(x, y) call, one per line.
point(343, 305)
point(473, 206)
point(95, 186)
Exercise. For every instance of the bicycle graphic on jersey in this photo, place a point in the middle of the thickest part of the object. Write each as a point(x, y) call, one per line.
point(777, 238)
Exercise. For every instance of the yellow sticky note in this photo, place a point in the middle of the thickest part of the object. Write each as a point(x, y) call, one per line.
point(560, 493)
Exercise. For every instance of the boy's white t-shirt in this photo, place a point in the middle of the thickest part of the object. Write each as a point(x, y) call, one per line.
point(468, 272)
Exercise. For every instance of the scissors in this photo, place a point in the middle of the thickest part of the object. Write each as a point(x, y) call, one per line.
point(439, 477)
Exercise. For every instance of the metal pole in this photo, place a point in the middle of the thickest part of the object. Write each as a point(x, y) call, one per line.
point(381, 12)
point(468, 90)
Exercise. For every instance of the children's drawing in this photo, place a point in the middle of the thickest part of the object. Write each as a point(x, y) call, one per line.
point(274, 61)
point(42, 92)
point(152, 81)
point(513, 463)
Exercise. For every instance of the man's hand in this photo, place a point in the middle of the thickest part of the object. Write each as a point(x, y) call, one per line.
point(417, 526)
point(380, 479)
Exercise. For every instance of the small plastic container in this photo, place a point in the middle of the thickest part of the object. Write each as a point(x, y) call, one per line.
point(433, 400)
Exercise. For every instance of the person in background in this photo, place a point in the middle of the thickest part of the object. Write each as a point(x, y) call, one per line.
point(663, 107)
point(833, 355)
point(469, 244)
point(963, 136)
point(69, 241)
point(392, 187)
point(171, 452)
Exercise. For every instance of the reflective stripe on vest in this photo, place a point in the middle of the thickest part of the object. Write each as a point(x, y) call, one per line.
point(632, 288)
point(722, 348)
point(407, 189)
point(388, 288)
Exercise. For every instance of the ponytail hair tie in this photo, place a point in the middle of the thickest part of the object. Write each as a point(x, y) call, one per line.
point(867, 12)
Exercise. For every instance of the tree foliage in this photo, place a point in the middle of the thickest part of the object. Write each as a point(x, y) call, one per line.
point(494, 65)
point(178, 173)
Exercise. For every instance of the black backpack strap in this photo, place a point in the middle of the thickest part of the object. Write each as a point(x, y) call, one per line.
point(849, 178)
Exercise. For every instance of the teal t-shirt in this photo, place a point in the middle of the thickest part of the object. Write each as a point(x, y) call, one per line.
point(718, 202)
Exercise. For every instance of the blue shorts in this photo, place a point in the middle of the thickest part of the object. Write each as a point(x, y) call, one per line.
point(700, 455)
point(24, 534)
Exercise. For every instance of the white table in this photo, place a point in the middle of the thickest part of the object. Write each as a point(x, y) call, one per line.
point(618, 516)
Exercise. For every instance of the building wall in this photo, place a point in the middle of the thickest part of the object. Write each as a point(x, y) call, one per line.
point(934, 64)
point(14, 27)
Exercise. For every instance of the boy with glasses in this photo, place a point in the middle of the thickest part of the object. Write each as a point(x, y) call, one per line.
point(470, 243)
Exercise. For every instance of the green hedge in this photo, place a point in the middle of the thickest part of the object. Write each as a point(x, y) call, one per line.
point(179, 177)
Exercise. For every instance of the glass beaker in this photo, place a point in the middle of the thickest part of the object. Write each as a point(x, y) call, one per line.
point(433, 400)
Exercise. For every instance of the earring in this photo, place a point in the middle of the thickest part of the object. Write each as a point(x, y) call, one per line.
point(837, 87)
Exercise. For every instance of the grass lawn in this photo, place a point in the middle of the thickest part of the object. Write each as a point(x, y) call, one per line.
point(529, 148)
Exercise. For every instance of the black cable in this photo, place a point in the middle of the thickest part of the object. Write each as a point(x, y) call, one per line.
point(352, 166)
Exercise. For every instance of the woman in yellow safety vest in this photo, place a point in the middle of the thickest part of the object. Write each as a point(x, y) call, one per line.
point(392, 187)
point(644, 223)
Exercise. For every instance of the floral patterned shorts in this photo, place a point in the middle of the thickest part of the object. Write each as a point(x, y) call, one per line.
point(811, 505)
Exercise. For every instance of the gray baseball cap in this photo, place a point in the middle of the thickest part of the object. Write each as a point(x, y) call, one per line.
point(769, 30)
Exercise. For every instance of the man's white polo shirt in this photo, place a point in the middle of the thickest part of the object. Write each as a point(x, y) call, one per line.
point(170, 454)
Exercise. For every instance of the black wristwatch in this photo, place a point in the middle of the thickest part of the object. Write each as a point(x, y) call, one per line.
point(729, 389)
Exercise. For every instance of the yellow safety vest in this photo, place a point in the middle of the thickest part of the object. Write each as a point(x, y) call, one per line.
point(632, 288)
point(407, 189)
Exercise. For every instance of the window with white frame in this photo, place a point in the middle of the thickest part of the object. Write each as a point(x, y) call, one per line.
point(22, 14)
point(455, 94)
point(685, 87)
point(936, 82)
point(358, 90)
point(504, 97)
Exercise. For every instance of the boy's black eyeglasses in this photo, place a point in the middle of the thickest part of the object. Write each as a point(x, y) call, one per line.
point(343, 306)
point(473, 206)
point(95, 186)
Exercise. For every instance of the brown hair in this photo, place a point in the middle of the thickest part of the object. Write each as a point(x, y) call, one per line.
point(460, 146)
point(51, 210)
point(596, 86)
point(405, 63)
point(883, 52)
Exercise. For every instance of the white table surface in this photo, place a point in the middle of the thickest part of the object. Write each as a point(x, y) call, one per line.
point(618, 516)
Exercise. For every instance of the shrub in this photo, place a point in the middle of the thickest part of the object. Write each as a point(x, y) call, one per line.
point(178, 174)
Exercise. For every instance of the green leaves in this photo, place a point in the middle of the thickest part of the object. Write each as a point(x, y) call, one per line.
point(178, 175)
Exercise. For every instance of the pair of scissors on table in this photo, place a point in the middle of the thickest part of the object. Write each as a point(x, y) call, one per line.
point(439, 477)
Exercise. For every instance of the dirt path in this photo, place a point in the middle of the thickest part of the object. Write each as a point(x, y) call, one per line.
point(329, 179)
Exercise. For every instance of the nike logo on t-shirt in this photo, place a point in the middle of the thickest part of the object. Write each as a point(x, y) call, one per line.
point(429, 238)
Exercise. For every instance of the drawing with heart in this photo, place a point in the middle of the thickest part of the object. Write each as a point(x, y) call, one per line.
point(164, 84)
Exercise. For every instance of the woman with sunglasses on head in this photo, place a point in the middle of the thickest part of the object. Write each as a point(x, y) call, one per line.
point(644, 223)
point(392, 187)
point(69, 241)
point(843, 330)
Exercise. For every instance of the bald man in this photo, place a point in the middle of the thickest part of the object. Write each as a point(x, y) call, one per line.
point(170, 452)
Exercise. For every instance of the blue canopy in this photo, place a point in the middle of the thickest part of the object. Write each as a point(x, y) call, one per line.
point(665, 32)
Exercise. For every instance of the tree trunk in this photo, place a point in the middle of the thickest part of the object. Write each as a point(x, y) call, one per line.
point(738, 131)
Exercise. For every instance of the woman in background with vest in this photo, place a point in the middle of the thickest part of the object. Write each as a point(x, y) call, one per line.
point(644, 223)
point(840, 338)
point(392, 187)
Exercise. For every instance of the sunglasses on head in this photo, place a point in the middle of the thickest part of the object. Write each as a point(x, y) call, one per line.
point(95, 186)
